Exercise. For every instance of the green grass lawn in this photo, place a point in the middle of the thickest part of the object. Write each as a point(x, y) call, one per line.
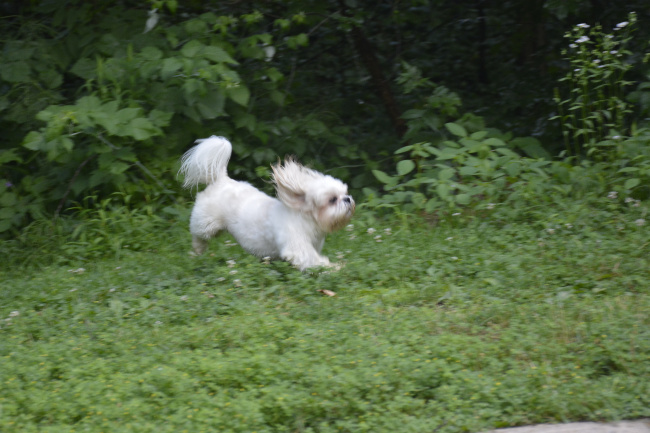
point(459, 327)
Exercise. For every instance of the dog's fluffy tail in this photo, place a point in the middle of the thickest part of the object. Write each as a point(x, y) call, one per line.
point(206, 162)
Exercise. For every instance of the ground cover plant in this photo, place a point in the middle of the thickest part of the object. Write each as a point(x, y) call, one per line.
point(473, 324)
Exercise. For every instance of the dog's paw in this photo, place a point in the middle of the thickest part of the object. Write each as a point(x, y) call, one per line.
point(336, 266)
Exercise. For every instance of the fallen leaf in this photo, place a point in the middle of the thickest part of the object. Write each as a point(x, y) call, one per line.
point(327, 292)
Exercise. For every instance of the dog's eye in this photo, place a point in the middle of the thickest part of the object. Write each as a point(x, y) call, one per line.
point(333, 200)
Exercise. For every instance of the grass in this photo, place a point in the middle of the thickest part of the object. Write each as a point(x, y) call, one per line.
point(467, 326)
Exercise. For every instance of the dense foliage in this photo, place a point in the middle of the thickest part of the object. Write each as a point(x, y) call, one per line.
point(103, 97)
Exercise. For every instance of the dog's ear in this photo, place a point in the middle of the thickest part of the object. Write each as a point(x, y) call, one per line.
point(291, 182)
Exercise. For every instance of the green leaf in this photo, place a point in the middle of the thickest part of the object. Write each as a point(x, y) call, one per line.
point(9, 155)
point(151, 53)
point(443, 190)
point(212, 105)
point(315, 127)
point(384, 178)
point(34, 141)
point(245, 120)
point(141, 129)
point(85, 68)
point(467, 170)
point(494, 142)
point(126, 115)
point(277, 97)
point(302, 39)
point(66, 143)
point(239, 94)
point(218, 55)
point(531, 147)
point(513, 169)
point(196, 26)
point(404, 167)
point(463, 199)
point(631, 183)
point(192, 48)
point(446, 173)
point(51, 78)
point(16, 50)
point(170, 67)
point(89, 103)
point(403, 149)
point(8, 199)
point(160, 118)
point(15, 72)
point(412, 114)
point(431, 205)
point(478, 135)
point(456, 129)
point(274, 75)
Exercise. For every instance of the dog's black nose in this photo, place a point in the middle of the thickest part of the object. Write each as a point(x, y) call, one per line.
point(347, 199)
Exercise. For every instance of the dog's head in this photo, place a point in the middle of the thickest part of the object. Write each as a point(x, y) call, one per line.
point(323, 197)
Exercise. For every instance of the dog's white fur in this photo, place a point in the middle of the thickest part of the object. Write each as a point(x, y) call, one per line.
point(292, 227)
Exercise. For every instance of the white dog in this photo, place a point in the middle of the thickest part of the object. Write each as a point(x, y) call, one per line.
point(292, 227)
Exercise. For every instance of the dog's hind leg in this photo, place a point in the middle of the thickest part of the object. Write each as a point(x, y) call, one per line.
point(199, 245)
point(202, 229)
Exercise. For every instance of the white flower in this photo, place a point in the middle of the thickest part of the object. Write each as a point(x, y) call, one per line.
point(221, 279)
point(14, 314)
point(582, 39)
point(158, 323)
point(583, 26)
point(454, 258)
point(569, 226)
point(640, 222)
point(629, 200)
point(184, 298)
point(152, 20)
point(233, 272)
point(77, 271)
point(266, 260)
point(550, 231)
point(596, 61)
point(237, 283)
point(573, 46)
point(371, 231)
point(455, 214)
point(621, 25)
point(616, 137)
point(231, 263)
point(613, 52)
point(378, 238)
point(491, 205)
point(349, 227)
point(637, 203)
point(449, 238)
point(613, 195)
point(388, 231)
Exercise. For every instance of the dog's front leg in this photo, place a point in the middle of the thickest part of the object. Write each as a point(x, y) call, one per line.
point(304, 257)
